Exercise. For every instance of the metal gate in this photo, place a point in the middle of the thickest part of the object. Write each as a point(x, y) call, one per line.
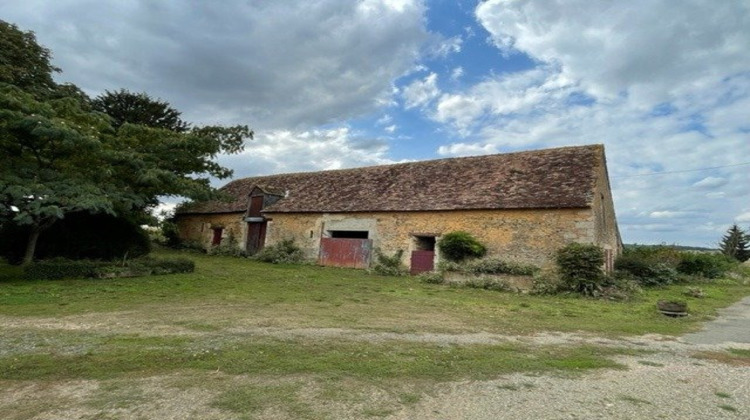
point(422, 261)
point(345, 252)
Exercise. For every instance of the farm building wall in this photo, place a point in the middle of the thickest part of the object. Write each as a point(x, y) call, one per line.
point(199, 229)
point(529, 236)
point(607, 234)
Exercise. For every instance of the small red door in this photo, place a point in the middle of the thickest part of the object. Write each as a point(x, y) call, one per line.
point(422, 261)
point(217, 236)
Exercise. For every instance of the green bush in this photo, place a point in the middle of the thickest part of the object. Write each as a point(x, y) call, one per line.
point(706, 265)
point(620, 287)
point(170, 234)
point(646, 271)
point(389, 265)
point(580, 268)
point(488, 283)
point(60, 268)
point(496, 266)
point(666, 255)
point(431, 277)
point(282, 252)
point(459, 246)
point(157, 266)
point(228, 247)
point(546, 283)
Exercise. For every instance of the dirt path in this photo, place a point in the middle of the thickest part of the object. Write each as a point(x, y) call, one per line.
point(667, 382)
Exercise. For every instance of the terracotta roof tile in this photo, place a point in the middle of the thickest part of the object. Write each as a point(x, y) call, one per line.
point(550, 178)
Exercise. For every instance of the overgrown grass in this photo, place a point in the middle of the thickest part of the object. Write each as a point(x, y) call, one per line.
point(203, 327)
point(303, 295)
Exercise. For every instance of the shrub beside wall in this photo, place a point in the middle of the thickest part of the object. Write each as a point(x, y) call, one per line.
point(580, 268)
point(459, 246)
point(285, 251)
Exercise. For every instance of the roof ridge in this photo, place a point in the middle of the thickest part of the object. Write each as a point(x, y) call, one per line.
point(562, 177)
point(394, 164)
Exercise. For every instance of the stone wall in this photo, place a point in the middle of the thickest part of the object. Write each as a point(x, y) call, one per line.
point(199, 228)
point(607, 233)
point(528, 236)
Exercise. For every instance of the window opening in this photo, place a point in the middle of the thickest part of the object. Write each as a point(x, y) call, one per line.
point(351, 234)
point(424, 243)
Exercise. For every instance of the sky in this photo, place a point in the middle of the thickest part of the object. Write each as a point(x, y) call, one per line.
point(663, 84)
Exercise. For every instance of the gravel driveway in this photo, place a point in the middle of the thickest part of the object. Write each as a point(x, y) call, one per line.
point(670, 383)
point(671, 378)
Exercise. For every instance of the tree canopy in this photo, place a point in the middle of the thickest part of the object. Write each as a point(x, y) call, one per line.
point(61, 156)
point(139, 108)
point(23, 62)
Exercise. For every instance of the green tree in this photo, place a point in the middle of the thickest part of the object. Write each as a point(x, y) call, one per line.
point(139, 108)
point(59, 156)
point(23, 62)
point(734, 244)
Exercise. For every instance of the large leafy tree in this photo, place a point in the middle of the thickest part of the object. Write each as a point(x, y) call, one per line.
point(60, 156)
point(139, 108)
point(735, 244)
point(23, 62)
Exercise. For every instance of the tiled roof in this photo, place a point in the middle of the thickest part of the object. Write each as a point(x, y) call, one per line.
point(550, 178)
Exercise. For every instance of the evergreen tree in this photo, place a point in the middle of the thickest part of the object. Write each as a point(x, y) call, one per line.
point(735, 244)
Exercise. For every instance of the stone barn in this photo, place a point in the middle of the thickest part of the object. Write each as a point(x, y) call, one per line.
point(523, 206)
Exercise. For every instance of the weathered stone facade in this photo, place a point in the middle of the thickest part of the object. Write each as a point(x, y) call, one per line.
point(198, 229)
point(528, 228)
point(530, 236)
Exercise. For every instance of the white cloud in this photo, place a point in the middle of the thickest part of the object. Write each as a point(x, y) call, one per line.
point(283, 151)
point(445, 47)
point(421, 92)
point(457, 72)
point(667, 214)
point(743, 217)
point(710, 182)
point(385, 119)
point(654, 50)
point(267, 64)
point(391, 128)
point(502, 95)
point(464, 149)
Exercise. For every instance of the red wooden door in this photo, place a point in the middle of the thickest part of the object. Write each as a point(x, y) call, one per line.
point(422, 261)
point(345, 252)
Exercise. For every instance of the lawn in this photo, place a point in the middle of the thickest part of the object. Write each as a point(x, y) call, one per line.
point(251, 337)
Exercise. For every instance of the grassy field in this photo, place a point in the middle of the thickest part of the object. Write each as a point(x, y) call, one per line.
point(251, 337)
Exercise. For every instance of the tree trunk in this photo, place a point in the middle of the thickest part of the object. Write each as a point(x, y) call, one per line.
point(28, 256)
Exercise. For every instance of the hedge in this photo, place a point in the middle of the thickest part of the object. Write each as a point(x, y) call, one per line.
point(61, 268)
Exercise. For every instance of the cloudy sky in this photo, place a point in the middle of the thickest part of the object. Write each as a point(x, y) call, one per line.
point(664, 85)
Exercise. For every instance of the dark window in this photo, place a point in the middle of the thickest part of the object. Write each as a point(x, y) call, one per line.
point(352, 234)
point(425, 243)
